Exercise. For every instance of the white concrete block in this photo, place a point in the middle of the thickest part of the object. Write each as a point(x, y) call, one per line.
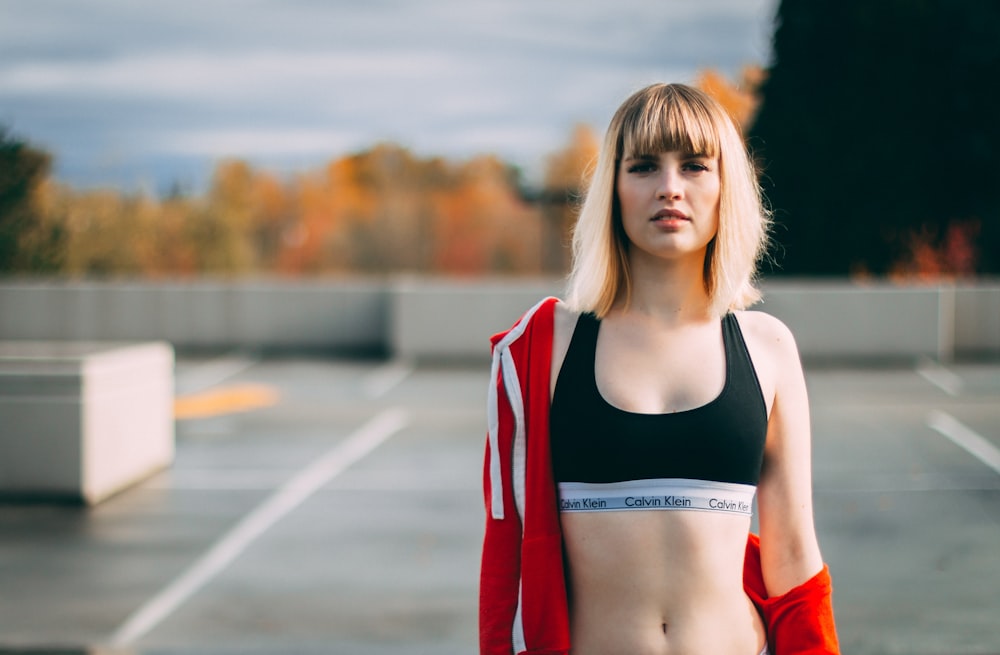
point(83, 420)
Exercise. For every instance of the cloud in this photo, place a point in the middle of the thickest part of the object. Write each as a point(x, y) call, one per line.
point(298, 79)
point(207, 74)
point(266, 143)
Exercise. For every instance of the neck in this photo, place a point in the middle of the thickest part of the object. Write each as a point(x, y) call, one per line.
point(668, 290)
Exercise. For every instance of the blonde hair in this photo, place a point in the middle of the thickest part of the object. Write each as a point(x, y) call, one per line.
point(665, 118)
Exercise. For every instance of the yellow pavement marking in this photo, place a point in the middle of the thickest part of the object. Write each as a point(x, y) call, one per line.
point(225, 400)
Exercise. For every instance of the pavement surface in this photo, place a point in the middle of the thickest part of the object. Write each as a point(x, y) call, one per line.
point(330, 506)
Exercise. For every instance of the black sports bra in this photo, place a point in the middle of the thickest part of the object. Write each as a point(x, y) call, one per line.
point(708, 457)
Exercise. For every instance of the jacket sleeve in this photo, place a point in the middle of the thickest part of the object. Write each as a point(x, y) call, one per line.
point(500, 571)
point(523, 608)
point(800, 621)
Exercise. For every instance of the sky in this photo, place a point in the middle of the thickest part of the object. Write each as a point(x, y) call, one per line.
point(151, 95)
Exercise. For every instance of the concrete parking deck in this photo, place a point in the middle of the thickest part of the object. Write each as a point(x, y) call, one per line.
point(335, 509)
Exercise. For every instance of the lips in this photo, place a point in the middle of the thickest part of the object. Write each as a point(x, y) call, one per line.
point(670, 215)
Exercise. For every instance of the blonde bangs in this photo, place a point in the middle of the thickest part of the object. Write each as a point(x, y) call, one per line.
point(671, 121)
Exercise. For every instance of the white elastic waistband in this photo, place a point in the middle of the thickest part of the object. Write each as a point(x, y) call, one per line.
point(658, 494)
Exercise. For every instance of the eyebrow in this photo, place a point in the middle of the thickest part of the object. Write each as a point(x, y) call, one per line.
point(647, 157)
point(640, 158)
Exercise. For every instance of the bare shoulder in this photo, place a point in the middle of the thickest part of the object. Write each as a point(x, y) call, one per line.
point(773, 352)
point(767, 334)
point(564, 322)
point(565, 318)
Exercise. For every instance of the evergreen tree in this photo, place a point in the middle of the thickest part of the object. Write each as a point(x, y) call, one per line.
point(877, 124)
point(22, 169)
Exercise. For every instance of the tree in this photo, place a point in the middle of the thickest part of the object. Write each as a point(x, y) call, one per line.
point(23, 169)
point(877, 124)
point(224, 232)
point(481, 224)
point(566, 178)
point(741, 99)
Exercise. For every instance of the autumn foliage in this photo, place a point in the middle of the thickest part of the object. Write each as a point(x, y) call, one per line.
point(740, 99)
point(383, 210)
point(386, 210)
point(379, 211)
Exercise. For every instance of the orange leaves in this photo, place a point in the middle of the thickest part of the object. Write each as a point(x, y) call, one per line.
point(569, 168)
point(739, 99)
point(566, 178)
point(930, 255)
point(482, 226)
point(383, 210)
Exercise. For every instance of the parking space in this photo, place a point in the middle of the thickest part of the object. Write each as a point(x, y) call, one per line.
point(336, 509)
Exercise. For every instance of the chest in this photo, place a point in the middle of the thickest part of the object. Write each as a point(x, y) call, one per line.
point(644, 372)
point(633, 408)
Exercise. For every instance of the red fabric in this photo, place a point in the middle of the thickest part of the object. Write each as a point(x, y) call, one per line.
point(800, 621)
point(531, 561)
point(528, 558)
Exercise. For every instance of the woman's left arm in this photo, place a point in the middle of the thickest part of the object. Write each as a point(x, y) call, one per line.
point(789, 549)
point(798, 609)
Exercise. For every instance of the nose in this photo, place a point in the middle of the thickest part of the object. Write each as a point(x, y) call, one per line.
point(671, 185)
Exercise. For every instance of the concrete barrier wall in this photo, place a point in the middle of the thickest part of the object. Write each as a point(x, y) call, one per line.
point(447, 319)
point(977, 320)
point(832, 321)
point(269, 315)
point(421, 318)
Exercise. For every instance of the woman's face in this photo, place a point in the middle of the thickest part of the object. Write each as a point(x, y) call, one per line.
point(669, 202)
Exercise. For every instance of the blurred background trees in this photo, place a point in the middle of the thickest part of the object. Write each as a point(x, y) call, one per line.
point(27, 242)
point(383, 210)
point(566, 177)
point(873, 126)
point(878, 135)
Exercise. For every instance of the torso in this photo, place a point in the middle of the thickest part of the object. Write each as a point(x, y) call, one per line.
point(657, 582)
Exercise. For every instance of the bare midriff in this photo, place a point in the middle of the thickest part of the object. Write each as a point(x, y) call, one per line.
point(667, 582)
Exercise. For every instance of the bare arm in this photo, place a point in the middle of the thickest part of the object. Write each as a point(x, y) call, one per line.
point(790, 552)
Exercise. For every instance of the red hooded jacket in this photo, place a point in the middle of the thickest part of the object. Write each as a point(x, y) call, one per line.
point(522, 594)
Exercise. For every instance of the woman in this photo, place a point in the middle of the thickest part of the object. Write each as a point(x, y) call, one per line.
point(632, 426)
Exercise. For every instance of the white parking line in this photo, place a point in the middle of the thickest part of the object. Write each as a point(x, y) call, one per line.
point(965, 437)
point(364, 440)
point(211, 373)
point(383, 379)
point(940, 377)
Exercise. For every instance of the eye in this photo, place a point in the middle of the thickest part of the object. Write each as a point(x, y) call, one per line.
point(641, 167)
point(695, 166)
